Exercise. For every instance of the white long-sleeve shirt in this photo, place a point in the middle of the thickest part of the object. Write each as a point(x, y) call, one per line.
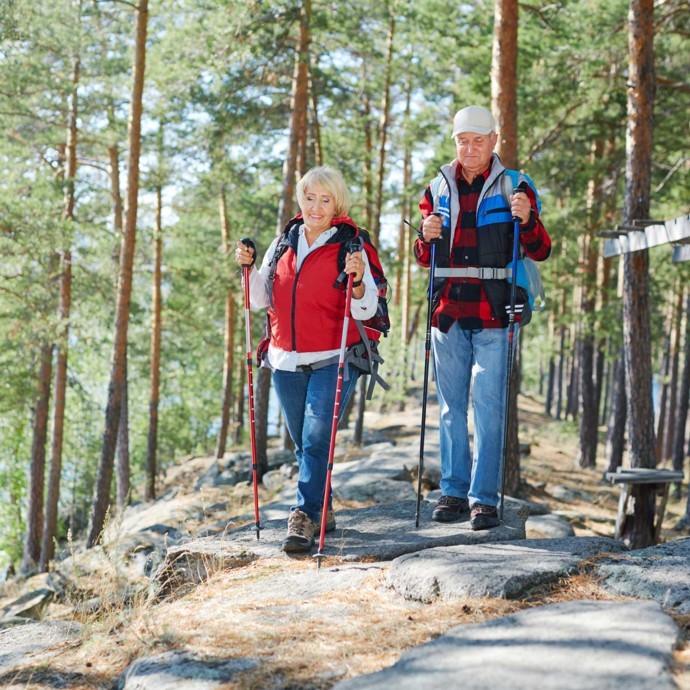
point(361, 309)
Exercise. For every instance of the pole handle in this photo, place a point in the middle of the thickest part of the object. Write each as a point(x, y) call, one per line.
point(248, 242)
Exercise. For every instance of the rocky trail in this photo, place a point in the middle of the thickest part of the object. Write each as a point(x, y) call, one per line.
point(183, 595)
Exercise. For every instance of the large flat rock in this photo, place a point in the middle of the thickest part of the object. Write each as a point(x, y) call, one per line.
point(376, 533)
point(660, 572)
point(21, 643)
point(583, 645)
point(506, 570)
point(179, 670)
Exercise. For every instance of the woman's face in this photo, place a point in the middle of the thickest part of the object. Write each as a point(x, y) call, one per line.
point(319, 208)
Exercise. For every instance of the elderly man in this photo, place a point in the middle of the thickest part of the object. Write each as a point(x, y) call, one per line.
point(468, 211)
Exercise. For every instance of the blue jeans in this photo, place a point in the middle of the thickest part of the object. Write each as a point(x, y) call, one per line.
point(307, 399)
point(473, 360)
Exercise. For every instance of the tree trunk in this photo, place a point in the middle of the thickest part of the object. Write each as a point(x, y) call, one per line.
point(671, 418)
point(588, 407)
point(262, 390)
point(101, 500)
point(123, 474)
point(401, 292)
point(239, 405)
point(601, 342)
point(229, 358)
point(384, 121)
point(34, 509)
point(505, 110)
point(298, 116)
point(637, 530)
point(316, 126)
point(504, 79)
point(368, 162)
point(60, 384)
point(156, 325)
point(663, 383)
point(678, 454)
point(403, 235)
point(573, 377)
point(358, 436)
point(615, 430)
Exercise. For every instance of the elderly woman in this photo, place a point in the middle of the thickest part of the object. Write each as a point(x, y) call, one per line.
point(298, 282)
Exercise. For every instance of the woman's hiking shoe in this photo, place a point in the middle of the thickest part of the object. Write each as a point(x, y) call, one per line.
point(300, 534)
point(450, 509)
point(330, 522)
point(483, 517)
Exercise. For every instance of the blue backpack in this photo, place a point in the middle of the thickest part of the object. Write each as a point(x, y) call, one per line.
point(528, 275)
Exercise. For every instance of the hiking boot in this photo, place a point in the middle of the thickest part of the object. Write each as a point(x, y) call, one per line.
point(450, 509)
point(300, 535)
point(330, 522)
point(483, 517)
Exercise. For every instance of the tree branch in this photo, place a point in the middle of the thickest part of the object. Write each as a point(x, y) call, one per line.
point(551, 134)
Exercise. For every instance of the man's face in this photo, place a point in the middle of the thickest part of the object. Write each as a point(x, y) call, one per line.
point(474, 151)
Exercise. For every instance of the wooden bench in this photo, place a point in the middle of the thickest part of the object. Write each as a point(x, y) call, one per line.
point(661, 479)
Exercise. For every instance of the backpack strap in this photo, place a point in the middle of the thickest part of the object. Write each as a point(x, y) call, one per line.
point(367, 359)
point(287, 239)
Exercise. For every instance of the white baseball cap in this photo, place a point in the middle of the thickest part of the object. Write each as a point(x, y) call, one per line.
point(473, 119)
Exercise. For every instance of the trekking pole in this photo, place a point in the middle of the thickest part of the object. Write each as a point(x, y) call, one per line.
point(425, 390)
point(509, 366)
point(336, 409)
point(250, 384)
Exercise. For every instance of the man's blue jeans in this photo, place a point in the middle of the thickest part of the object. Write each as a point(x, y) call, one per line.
point(307, 399)
point(473, 360)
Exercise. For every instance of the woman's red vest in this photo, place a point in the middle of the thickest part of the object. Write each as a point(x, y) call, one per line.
point(308, 311)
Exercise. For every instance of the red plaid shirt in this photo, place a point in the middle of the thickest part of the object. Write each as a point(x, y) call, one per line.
point(464, 299)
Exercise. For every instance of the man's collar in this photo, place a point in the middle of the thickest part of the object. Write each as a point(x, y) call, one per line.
point(484, 175)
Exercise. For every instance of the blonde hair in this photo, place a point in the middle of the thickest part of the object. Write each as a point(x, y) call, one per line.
point(331, 180)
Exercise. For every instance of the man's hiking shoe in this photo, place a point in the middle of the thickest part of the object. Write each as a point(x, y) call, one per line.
point(300, 535)
point(330, 522)
point(483, 517)
point(450, 509)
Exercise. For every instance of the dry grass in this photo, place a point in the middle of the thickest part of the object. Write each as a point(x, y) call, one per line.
point(316, 642)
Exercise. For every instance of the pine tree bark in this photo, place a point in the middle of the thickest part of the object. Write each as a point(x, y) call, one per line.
point(65, 301)
point(588, 407)
point(101, 500)
point(239, 403)
point(384, 122)
point(122, 470)
point(504, 79)
point(156, 326)
point(316, 126)
point(678, 451)
point(229, 358)
point(358, 436)
point(504, 107)
point(637, 530)
point(368, 160)
point(34, 509)
point(123, 473)
point(676, 335)
point(298, 117)
point(615, 430)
